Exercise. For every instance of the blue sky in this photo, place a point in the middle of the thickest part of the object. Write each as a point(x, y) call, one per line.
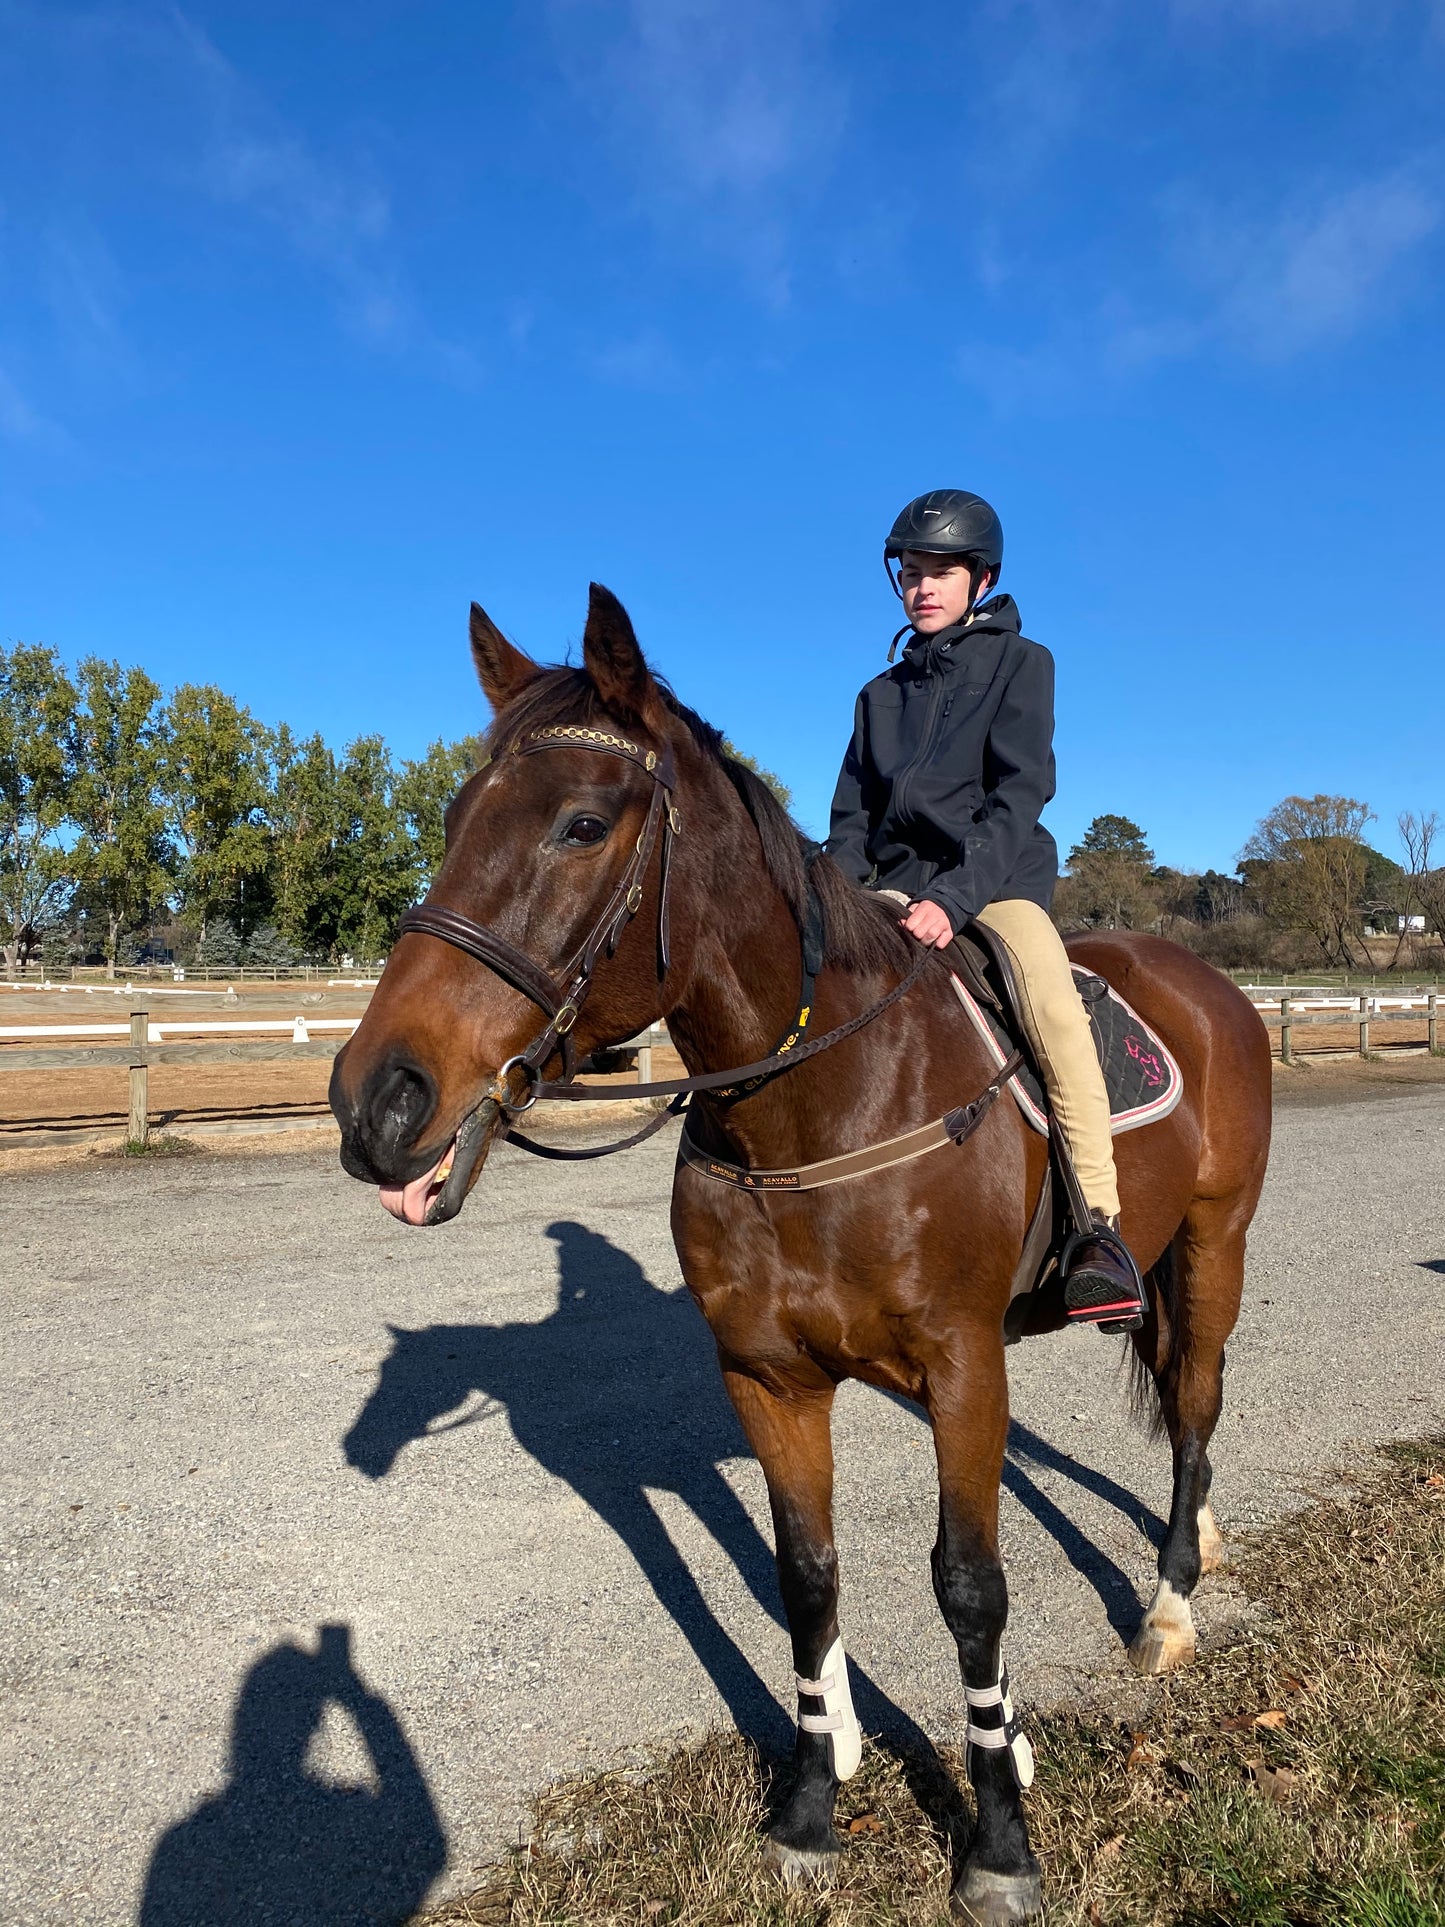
point(317, 321)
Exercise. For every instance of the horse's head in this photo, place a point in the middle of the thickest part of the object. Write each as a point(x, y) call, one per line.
point(536, 847)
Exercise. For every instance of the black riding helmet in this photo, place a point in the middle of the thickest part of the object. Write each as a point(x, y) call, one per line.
point(948, 521)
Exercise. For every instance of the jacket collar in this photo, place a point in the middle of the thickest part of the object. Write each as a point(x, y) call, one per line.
point(930, 653)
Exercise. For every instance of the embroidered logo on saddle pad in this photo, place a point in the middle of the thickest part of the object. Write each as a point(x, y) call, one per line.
point(1145, 1083)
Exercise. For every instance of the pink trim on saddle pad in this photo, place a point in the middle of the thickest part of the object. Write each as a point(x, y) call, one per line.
point(1157, 1058)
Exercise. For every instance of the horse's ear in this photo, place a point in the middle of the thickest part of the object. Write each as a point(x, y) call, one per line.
point(613, 657)
point(502, 669)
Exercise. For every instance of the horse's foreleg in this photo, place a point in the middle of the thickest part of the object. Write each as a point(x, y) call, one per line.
point(1000, 1879)
point(793, 1442)
point(1185, 1351)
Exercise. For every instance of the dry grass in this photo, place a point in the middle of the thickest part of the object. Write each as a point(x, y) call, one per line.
point(1295, 1779)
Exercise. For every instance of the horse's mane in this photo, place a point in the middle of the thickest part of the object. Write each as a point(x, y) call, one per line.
point(862, 931)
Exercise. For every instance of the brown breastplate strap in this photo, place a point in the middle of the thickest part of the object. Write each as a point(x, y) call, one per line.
point(954, 1128)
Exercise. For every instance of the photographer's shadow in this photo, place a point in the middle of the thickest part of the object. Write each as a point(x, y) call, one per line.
point(278, 1845)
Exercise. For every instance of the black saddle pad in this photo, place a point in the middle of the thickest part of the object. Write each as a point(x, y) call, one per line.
point(1145, 1083)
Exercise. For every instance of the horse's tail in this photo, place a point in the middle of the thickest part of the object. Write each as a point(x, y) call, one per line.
point(1146, 1386)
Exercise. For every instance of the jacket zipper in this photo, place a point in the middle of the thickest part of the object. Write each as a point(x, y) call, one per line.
point(932, 728)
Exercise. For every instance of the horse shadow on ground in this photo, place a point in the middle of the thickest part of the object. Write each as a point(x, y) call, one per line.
point(1109, 1580)
point(279, 1845)
point(618, 1391)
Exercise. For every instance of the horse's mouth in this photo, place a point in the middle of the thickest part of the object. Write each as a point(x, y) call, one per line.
point(439, 1194)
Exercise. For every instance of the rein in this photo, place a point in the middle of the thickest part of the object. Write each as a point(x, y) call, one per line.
point(561, 1003)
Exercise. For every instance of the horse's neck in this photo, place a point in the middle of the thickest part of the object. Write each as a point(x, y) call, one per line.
point(740, 999)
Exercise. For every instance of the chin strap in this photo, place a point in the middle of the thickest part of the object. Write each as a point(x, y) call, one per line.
point(837, 1719)
point(1001, 1729)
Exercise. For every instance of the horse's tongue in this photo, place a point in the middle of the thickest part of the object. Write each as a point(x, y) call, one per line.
point(409, 1201)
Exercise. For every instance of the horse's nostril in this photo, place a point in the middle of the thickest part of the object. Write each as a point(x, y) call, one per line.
point(401, 1105)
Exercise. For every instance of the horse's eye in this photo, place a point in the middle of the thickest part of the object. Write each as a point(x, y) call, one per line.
point(583, 830)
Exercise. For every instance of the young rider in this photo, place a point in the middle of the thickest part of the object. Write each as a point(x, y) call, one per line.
point(939, 798)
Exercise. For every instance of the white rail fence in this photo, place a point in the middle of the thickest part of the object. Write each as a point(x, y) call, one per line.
point(249, 1040)
point(144, 1040)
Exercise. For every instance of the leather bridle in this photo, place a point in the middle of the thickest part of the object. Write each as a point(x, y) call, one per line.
point(561, 1001)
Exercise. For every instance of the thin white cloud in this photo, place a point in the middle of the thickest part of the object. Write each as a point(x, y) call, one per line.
point(84, 291)
point(22, 423)
point(1316, 273)
point(644, 360)
point(725, 113)
point(1305, 280)
point(1296, 18)
point(186, 116)
point(331, 214)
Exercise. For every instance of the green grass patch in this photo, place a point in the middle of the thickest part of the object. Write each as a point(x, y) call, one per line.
point(1293, 1779)
point(157, 1145)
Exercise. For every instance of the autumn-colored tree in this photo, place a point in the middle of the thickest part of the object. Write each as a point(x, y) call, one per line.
point(37, 704)
point(1307, 864)
point(121, 855)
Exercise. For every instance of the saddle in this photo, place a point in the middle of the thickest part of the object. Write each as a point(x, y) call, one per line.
point(1143, 1080)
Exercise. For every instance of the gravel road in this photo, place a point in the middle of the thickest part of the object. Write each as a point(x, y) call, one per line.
point(493, 1462)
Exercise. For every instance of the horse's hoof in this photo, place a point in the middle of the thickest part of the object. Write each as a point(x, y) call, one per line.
point(1157, 1649)
point(1166, 1638)
point(799, 1866)
point(985, 1899)
point(1211, 1542)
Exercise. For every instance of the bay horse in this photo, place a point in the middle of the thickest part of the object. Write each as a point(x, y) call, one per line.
point(899, 1276)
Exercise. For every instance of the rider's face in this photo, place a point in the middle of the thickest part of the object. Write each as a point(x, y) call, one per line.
point(935, 590)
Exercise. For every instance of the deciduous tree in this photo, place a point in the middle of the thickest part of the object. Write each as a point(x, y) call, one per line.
point(37, 706)
point(423, 790)
point(1306, 864)
point(121, 855)
point(304, 830)
point(213, 782)
point(376, 863)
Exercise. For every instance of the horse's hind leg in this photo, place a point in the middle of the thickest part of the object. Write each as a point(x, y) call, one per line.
point(793, 1442)
point(999, 1882)
point(1197, 1303)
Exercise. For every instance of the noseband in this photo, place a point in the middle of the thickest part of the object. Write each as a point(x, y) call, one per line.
point(561, 1001)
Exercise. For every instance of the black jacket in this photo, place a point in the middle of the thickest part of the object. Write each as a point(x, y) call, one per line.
point(950, 766)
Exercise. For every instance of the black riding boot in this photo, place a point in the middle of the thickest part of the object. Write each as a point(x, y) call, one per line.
point(1102, 1285)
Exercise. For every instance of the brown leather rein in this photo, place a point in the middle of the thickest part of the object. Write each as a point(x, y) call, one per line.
point(561, 1002)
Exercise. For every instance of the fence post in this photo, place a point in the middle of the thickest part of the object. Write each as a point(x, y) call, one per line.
point(1364, 1026)
point(644, 1058)
point(138, 1124)
point(1430, 1011)
point(1286, 1046)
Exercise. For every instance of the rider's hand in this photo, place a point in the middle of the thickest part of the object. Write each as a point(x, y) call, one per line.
point(929, 924)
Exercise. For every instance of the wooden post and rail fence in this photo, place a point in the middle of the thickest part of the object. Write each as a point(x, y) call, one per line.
point(147, 1045)
point(147, 1042)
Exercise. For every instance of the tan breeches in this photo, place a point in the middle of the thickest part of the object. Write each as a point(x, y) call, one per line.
point(1058, 1029)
